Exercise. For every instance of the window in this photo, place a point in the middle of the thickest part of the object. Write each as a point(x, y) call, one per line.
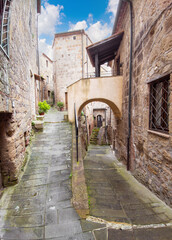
point(159, 104)
point(74, 37)
point(46, 63)
point(4, 24)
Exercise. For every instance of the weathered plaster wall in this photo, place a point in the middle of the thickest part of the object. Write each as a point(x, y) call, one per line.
point(21, 92)
point(151, 153)
point(107, 90)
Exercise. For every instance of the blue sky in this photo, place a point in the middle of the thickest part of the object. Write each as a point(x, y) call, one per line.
point(96, 17)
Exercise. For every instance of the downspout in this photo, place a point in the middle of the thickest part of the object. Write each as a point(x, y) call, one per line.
point(130, 84)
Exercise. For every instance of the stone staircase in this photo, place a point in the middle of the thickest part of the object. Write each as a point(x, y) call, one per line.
point(94, 135)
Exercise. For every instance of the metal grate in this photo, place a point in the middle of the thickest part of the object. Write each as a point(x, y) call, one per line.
point(159, 105)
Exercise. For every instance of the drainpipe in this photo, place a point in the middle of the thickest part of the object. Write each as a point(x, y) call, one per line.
point(130, 83)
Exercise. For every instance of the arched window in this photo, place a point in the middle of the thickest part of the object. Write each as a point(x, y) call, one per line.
point(4, 24)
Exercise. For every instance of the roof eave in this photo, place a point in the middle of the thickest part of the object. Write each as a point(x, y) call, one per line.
point(117, 16)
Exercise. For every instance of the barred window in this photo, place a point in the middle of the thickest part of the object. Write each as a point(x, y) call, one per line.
point(159, 104)
point(4, 24)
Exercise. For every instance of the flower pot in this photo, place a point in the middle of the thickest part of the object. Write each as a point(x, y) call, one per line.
point(42, 113)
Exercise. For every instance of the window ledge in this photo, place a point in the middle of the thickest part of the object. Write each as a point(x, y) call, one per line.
point(164, 135)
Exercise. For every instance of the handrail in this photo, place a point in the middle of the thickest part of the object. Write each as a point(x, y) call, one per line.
point(102, 74)
point(76, 130)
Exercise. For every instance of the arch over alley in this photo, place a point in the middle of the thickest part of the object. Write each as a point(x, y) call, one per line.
point(102, 89)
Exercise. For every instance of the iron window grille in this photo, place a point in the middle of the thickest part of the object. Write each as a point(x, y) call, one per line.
point(159, 104)
point(4, 24)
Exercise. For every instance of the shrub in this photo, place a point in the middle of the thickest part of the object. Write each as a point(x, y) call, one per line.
point(60, 105)
point(43, 107)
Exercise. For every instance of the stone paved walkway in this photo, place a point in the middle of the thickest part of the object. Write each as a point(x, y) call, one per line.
point(39, 207)
point(118, 201)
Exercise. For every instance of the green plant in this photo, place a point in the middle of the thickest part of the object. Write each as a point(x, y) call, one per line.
point(43, 107)
point(60, 105)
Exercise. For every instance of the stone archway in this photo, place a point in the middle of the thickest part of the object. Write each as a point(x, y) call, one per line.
point(84, 91)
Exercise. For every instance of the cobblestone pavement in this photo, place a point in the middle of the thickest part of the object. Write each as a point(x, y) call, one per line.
point(39, 206)
point(125, 209)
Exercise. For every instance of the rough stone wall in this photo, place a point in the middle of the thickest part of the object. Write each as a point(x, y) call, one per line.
point(47, 73)
point(21, 67)
point(88, 111)
point(69, 55)
point(5, 101)
point(151, 152)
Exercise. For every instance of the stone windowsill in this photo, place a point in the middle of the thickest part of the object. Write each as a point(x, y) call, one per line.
point(164, 135)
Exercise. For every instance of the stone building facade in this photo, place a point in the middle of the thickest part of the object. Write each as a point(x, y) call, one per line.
point(150, 156)
point(46, 71)
point(71, 61)
point(17, 83)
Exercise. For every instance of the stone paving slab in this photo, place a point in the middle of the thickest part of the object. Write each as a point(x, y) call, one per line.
point(128, 210)
point(39, 206)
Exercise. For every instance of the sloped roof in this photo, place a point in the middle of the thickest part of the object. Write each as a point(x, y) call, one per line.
point(105, 49)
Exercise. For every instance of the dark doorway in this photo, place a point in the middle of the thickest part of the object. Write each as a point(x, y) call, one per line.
point(5, 133)
point(66, 100)
point(99, 121)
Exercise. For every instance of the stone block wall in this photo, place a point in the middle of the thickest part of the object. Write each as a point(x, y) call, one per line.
point(46, 71)
point(71, 62)
point(151, 151)
point(19, 87)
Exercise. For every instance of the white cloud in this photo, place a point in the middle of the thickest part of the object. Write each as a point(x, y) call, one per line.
point(44, 47)
point(98, 31)
point(49, 18)
point(78, 26)
point(90, 18)
point(112, 8)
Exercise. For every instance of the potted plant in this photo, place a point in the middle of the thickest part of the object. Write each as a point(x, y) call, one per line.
point(60, 105)
point(43, 107)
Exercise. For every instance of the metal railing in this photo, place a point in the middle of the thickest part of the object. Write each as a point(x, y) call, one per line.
point(76, 130)
point(102, 74)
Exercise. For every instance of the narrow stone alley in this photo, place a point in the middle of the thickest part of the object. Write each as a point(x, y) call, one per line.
point(125, 208)
point(39, 206)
